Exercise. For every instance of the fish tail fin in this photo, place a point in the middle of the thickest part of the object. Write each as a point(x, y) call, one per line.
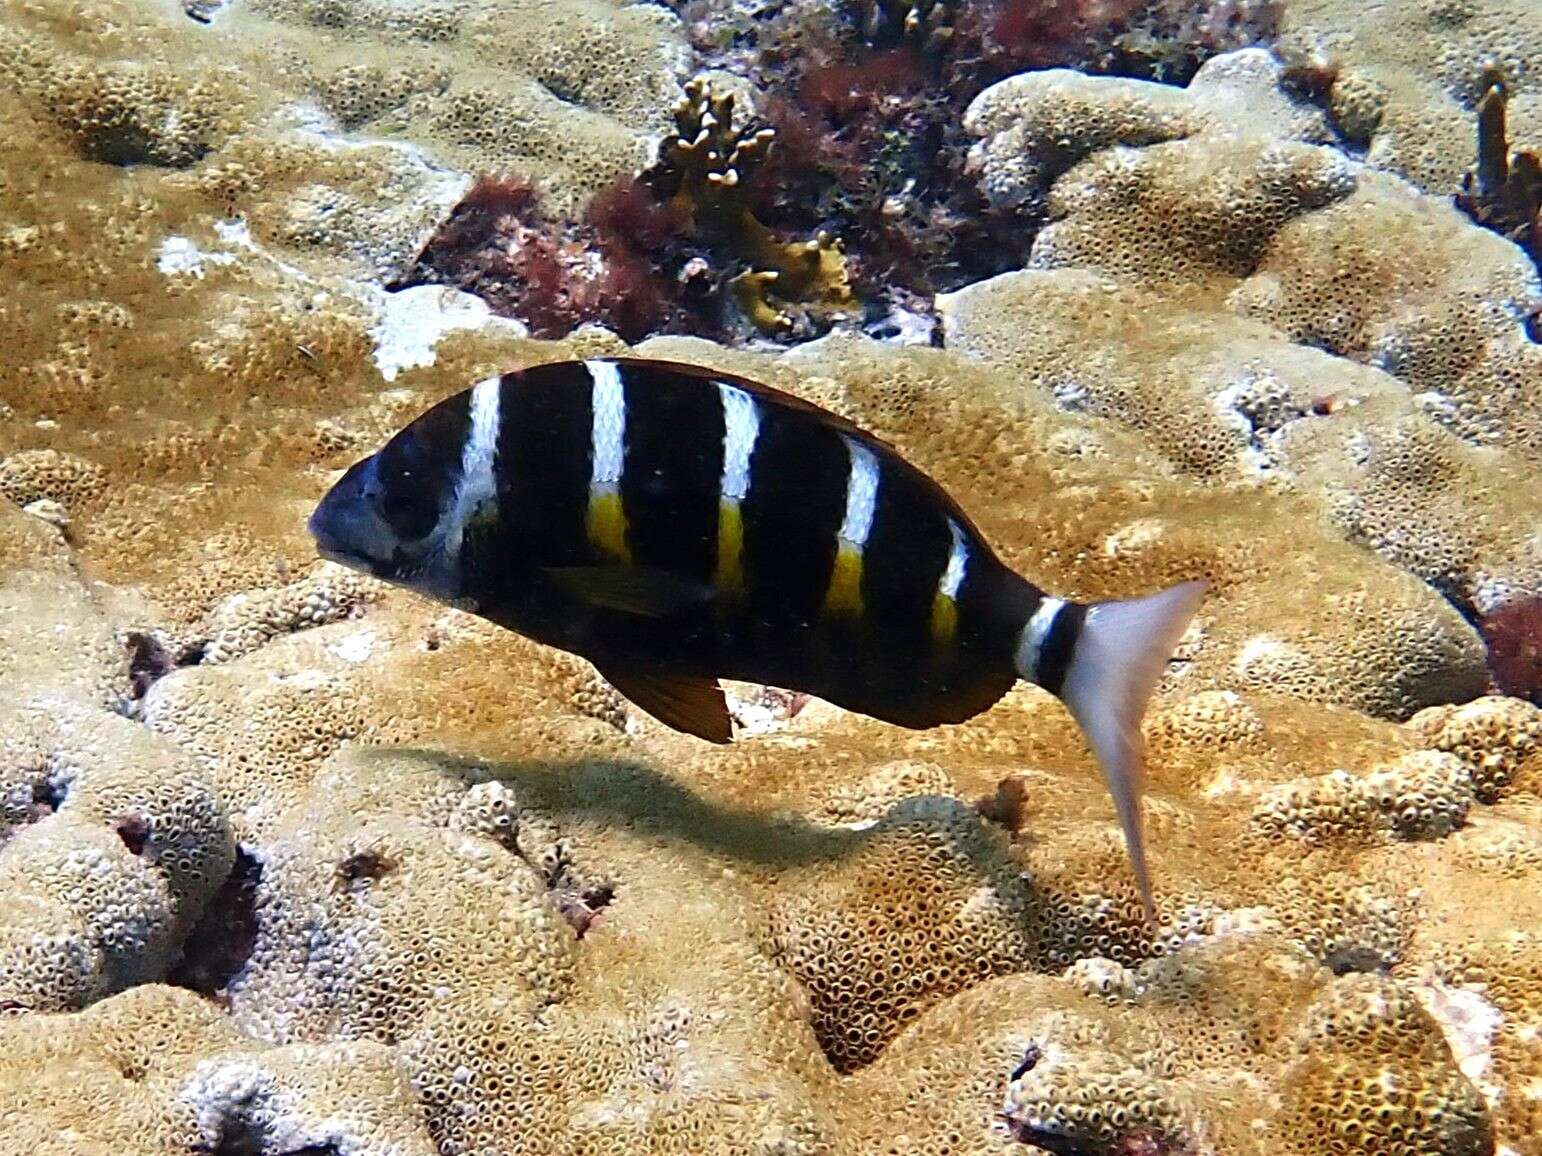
point(1117, 656)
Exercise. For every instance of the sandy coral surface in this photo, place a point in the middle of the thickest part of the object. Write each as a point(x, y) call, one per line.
point(293, 864)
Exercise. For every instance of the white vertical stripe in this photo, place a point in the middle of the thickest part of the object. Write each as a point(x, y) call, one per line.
point(861, 495)
point(607, 435)
point(958, 563)
point(741, 427)
point(478, 485)
point(1031, 642)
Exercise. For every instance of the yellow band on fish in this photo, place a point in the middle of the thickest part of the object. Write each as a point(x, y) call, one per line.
point(606, 524)
point(844, 594)
point(944, 619)
point(730, 548)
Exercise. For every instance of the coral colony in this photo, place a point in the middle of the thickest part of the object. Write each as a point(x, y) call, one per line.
point(294, 862)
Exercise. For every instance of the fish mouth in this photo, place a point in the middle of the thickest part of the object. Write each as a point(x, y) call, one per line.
point(328, 547)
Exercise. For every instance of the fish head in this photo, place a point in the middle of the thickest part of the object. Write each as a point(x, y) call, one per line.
point(394, 515)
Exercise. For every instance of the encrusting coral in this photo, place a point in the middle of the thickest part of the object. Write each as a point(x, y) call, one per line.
point(1237, 283)
point(159, 1069)
point(112, 845)
point(295, 863)
point(1401, 79)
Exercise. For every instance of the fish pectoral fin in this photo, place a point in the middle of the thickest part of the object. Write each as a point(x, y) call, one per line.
point(692, 705)
point(641, 590)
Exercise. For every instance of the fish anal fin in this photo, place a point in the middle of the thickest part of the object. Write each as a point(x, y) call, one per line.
point(642, 590)
point(693, 705)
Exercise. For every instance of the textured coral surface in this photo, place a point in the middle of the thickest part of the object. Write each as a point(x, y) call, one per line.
point(293, 864)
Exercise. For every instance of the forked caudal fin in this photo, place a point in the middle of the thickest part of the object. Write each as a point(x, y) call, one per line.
point(1118, 656)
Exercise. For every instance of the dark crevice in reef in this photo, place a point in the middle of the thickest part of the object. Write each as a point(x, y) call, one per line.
point(134, 830)
point(868, 161)
point(221, 942)
point(48, 795)
point(31, 801)
point(1351, 959)
point(577, 898)
point(152, 658)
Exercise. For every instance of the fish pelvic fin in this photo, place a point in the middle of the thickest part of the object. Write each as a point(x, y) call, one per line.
point(1119, 654)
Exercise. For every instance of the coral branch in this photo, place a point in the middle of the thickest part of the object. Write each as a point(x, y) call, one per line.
point(1503, 190)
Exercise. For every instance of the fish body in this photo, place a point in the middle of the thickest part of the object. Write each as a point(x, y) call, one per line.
point(675, 525)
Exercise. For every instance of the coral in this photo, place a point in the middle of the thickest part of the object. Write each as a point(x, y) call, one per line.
point(1426, 795)
point(574, 106)
point(1092, 1104)
point(1488, 994)
point(245, 622)
point(435, 888)
point(1404, 77)
point(288, 727)
point(1498, 739)
point(119, 846)
point(29, 476)
point(158, 1069)
point(1368, 1049)
point(704, 169)
point(127, 112)
point(924, 904)
point(58, 635)
point(928, 24)
point(872, 797)
point(1504, 189)
point(1284, 248)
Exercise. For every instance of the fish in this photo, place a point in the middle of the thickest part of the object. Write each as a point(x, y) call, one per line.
point(676, 525)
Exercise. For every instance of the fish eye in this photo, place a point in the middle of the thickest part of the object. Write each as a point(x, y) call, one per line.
point(405, 503)
point(403, 490)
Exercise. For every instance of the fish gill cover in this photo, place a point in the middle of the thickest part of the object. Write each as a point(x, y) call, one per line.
point(291, 862)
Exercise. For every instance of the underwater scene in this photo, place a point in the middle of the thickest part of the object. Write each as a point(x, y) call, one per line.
point(770, 578)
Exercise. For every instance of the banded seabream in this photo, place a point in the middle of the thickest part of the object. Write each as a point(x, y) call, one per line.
point(675, 525)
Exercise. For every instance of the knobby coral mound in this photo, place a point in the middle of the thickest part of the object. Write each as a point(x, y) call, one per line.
point(1402, 78)
point(1238, 281)
point(159, 1069)
point(574, 105)
point(110, 847)
point(1370, 1049)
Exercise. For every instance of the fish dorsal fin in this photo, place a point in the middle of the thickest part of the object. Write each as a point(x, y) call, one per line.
point(642, 590)
point(692, 705)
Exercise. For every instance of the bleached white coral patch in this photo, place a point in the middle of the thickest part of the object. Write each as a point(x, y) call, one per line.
point(1468, 1022)
point(356, 647)
point(413, 321)
point(178, 256)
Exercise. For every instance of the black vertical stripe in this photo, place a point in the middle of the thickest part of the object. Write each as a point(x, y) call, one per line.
point(794, 508)
point(1060, 647)
point(543, 465)
point(906, 554)
point(674, 462)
